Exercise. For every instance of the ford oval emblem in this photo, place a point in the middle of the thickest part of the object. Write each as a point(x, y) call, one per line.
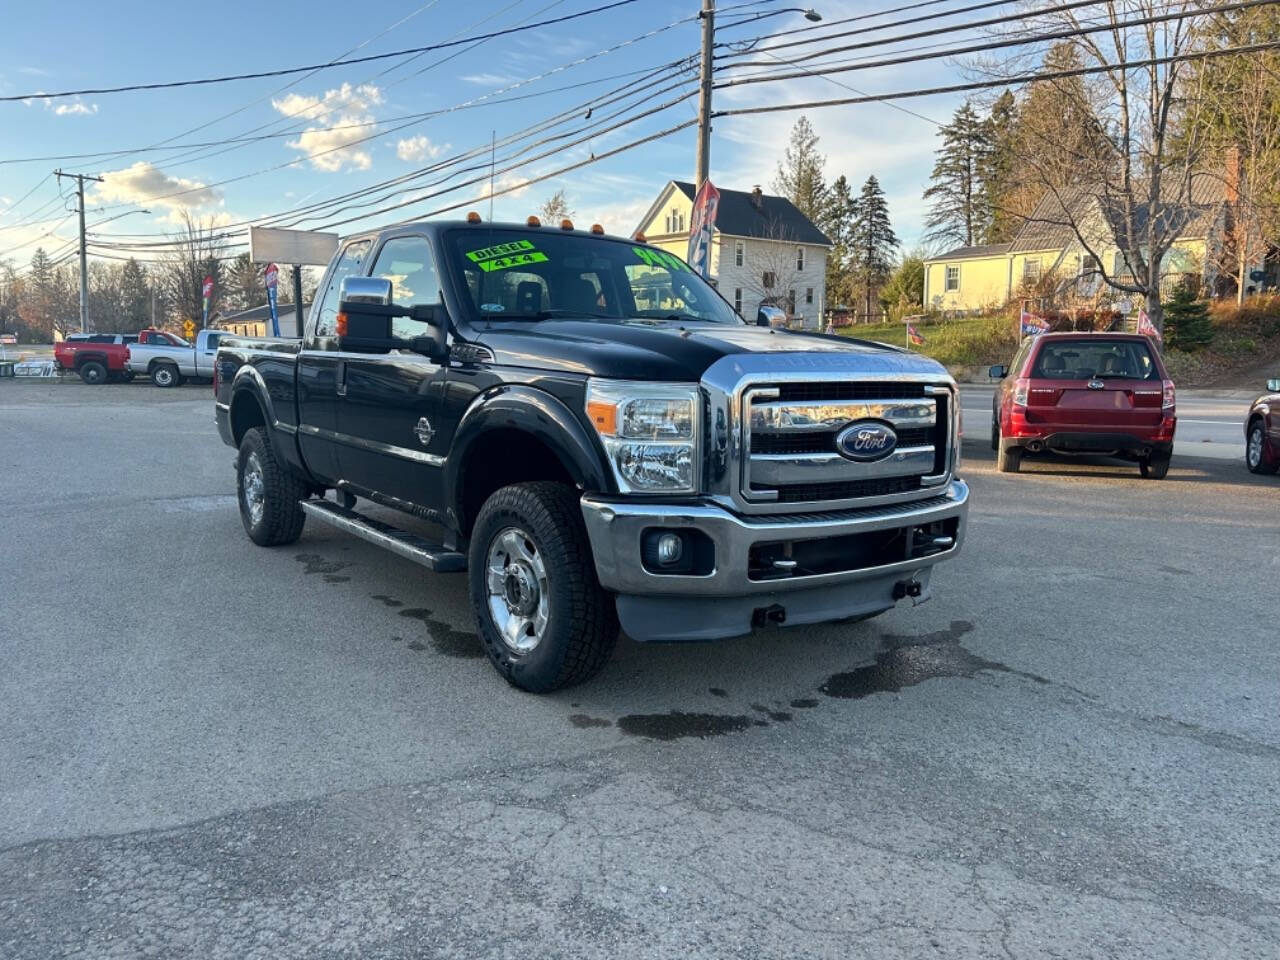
point(866, 440)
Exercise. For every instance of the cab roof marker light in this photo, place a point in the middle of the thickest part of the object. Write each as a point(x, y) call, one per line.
point(566, 224)
point(639, 236)
point(473, 217)
point(597, 229)
point(533, 222)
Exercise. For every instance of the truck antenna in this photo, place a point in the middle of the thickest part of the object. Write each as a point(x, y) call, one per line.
point(493, 150)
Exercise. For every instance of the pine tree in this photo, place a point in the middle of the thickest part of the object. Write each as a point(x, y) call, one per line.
point(135, 297)
point(1186, 320)
point(957, 210)
point(800, 175)
point(997, 172)
point(839, 228)
point(872, 240)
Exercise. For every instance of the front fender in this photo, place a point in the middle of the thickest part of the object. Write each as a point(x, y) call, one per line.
point(538, 414)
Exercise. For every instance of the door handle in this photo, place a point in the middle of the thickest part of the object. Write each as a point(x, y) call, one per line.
point(342, 378)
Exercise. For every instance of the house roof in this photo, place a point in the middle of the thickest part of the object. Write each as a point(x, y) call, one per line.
point(777, 219)
point(975, 252)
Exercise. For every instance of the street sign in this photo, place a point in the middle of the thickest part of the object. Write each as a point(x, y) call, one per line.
point(272, 275)
point(303, 247)
point(705, 206)
point(188, 329)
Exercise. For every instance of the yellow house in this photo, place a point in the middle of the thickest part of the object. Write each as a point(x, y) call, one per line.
point(1048, 259)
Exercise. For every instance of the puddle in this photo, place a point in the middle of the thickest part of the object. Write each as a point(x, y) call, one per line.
point(315, 563)
point(907, 661)
point(385, 600)
point(777, 716)
point(583, 722)
point(444, 638)
point(677, 725)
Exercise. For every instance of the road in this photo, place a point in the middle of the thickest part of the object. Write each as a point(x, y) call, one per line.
point(209, 750)
point(1210, 422)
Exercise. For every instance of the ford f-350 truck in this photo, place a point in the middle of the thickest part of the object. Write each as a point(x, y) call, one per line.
point(600, 439)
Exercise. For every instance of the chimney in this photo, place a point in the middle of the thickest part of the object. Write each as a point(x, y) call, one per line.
point(757, 198)
point(1231, 175)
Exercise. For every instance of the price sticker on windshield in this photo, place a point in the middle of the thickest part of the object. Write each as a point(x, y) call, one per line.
point(504, 256)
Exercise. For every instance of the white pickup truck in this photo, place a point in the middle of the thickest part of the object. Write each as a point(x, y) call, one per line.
point(168, 359)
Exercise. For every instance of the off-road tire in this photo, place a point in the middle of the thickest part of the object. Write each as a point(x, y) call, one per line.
point(1154, 467)
point(1263, 465)
point(1008, 459)
point(92, 372)
point(582, 621)
point(165, 375)
point(282, 518)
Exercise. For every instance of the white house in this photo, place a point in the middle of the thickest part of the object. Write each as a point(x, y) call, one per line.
point(763, 250)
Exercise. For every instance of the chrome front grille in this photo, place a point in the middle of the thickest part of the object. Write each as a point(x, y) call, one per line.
point(789, 445)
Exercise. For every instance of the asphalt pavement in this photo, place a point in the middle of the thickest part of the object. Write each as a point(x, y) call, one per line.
point(209, 749)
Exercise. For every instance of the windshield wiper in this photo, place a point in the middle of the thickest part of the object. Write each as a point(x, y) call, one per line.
point(547, 315)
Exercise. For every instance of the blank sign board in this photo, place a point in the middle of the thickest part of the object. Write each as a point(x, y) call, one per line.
point(304, 247)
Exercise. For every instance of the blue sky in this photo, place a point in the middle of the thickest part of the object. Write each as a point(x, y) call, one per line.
point(46, 47)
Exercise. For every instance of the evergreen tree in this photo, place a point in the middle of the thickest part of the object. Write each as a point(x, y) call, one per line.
point(800, 175)
point(997, 172)
point(1186, 320)
point(957, 209)
point(839, 228)
point(904, 291)
point(135, 297)
point(872, 240)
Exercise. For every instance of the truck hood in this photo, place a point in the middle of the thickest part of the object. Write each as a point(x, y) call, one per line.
point(667, 350)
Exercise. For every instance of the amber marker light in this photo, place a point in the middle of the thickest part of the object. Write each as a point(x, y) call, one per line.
point(604, 416)
point(473, 217)
point(566, 224)
point(597, 229)
point(533, 222)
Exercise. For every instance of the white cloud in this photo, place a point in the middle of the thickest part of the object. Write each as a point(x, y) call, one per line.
point(150, 186)
point(417, 149)
point(73, 109)
point(514, 187)
point(486, 79)
point(332, 149)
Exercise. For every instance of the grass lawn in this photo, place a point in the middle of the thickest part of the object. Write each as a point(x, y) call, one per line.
point(964, 341)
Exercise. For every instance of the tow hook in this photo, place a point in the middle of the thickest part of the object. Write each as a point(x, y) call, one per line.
point(907, 588)
point(775, 614)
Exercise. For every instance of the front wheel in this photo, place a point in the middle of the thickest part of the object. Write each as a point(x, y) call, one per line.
point(544, 619)
point(164, 375)
point(268, 493)
point(1154, 467)
point(1255, 454)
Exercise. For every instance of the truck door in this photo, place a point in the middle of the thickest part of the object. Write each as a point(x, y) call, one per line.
point(321, 368)
point(206, 350)
point(390, 415)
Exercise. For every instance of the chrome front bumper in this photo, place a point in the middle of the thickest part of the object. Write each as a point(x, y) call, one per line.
point(727, 601)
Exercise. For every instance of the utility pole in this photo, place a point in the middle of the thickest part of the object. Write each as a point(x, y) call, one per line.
point(708, 17)
point(80, 178)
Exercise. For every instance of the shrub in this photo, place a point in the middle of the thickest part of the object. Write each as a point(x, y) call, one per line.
point(1186, 321)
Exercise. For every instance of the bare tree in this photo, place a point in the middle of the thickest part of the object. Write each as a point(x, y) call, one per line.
point(773, 267)
point(556, 208)
point(197, 253)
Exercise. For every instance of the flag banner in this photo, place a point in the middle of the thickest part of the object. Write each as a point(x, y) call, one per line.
point(207, 289)
point(1032, 326)
point(914, 336)
point(1146, 327)
point(705, 206)
point(273, 277)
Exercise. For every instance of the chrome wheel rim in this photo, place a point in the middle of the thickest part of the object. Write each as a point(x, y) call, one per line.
point(516, 581)
point(163, 377)
point(1255, 446)
point(251, 483)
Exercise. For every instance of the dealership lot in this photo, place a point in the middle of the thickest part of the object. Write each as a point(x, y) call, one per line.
point(209, 749)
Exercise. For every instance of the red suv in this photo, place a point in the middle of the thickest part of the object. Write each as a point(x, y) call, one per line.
point(1104, 394)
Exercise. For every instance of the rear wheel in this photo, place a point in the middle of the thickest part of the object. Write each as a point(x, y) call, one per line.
point(995, 432)
point(1008, 459)
point(1255, 454)
point(544, 619)
point(1154, 467)
point(93, 373)
point(268, 493)
point(165, 375)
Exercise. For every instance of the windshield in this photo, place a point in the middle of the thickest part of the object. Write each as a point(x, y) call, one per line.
point(529, 276)
point(1086, 359)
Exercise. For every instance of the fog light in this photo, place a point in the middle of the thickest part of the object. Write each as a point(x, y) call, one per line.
point(669, 548)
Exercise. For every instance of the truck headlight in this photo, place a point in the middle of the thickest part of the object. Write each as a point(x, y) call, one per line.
point(649, 431)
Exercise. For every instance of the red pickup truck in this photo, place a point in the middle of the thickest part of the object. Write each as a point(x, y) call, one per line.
point(1103, 394)
point(97, 357)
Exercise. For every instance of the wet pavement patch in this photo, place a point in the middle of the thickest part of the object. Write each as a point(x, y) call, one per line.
point(315, 563)
point(677, 725)
point(804, 703)
point(778, 716)
point(385, 600)
point(906, 661)
point(444, 638)
point(583, 722)
point(717, 692)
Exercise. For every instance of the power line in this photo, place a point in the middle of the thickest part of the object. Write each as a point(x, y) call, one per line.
point(315, 67)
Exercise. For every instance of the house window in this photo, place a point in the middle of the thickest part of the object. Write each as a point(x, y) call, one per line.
point(739, 252)
point(769, 279)
point(800, 258)
point(952, 279)
point(737, 299)
point(1031, 271)
point(808, 294)
point(791, 301)
point(1118, 268)
point(1089, 266)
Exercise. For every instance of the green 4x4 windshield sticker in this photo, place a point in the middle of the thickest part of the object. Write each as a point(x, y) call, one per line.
point(503, 256)
point(660, 258)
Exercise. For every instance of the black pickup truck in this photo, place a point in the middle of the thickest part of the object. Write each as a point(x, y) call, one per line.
point(600, 440)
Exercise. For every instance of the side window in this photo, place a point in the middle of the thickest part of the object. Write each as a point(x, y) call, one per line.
point(408, 264)
point(349, 263)
point(211, 342)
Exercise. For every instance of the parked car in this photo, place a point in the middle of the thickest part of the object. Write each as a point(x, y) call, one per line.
point(168, 359)
point(1101, 394)
point(1262, 431)
point(96, 357)
point(594, 460)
